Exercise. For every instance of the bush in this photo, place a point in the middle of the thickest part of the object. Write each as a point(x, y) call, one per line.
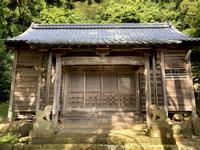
point(9, 138)
point(3, 110)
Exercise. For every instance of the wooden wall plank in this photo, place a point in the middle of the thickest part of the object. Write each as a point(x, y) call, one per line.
point(119, 60)
point(14, 68)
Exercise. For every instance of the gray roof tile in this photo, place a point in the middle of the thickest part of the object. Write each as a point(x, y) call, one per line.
point(102, 34)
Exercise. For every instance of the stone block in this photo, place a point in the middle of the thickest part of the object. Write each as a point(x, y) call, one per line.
point(41, 133)
point(159, 125)
point(161, 141)
point(6, 146)
point(196, 125)
point(164, 133)
point(42, 126)
point(161, 133)
point(183, 128)
point(163, 147)
point(178, 117)
point(41, 141)
point(4, 127)
point(25, 128)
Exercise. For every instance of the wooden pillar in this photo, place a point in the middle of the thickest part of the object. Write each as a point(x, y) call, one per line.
point(154, 80)
point(84, 89)
point(162, 66)
point(12, 89)
point(57, 88)
point(39, 82)
point(189, 76)
point(48, 82)
point(65, 90)
point(137, 92)
point(147, 88)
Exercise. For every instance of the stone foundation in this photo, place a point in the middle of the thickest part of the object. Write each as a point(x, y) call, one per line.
point(96, 147)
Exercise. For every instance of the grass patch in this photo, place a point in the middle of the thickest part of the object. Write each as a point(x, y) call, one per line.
point(9, 138)
point(3, 110)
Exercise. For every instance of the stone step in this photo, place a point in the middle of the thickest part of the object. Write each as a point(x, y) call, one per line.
point(109, 121)
point(100, 140)
point(88, 137)
point(129, 146)
point(100, 125)
point(100, 114)
point(113, 118)
point(98, 132)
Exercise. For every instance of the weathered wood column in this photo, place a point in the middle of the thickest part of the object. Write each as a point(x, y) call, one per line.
point(189, 76)
point(38, 97)
point(162, 66)
point(155, 95)
point(48, 82)
point(12, 89)
point(137, 91)
point(147, 87)
point(57, 88)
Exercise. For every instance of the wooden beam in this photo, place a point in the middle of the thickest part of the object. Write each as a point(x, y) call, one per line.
point(103, 49)
point(162, 67)
point(147, 88)
point(62, 49)
point(48, 82)
point(155, 95)
point(12, 89)
point(43, 49)
point(39, 82)
point(57, 87)
point(192, 96)
point(126, 60)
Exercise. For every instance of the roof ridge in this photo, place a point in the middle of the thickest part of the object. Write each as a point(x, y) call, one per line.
point(100, 26)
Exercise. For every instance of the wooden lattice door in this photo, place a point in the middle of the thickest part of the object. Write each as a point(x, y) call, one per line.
point(102, 91)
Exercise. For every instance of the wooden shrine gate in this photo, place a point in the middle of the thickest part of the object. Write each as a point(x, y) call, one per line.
point(94, 87)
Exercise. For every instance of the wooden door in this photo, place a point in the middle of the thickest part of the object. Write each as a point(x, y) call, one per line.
point(100, 91)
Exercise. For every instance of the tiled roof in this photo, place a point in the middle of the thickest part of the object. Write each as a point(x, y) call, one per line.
point(102, 34)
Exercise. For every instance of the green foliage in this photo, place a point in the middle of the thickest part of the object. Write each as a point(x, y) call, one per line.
point(5, 62)
point(9, 138)
point(120, 13)
point(3, 110)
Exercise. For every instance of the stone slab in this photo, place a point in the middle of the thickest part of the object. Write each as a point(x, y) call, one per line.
point(41, 133)
point(162, 141)
point(96, 147)
point(42, 126)
point(42, 141)
point(164, 133)
point(159, 125)
point(6, 146)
